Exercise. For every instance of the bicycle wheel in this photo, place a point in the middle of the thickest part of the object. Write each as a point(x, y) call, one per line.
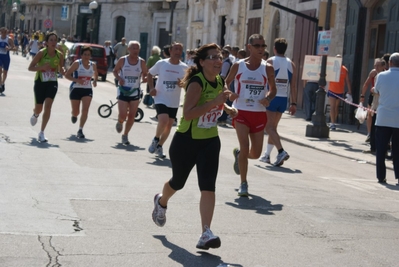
point(139, 114)
point(104, 111)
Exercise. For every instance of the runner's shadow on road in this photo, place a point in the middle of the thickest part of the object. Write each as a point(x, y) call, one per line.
point(73, 138)
point(391, 186)
point(185, 258)
point(256, 203)
point(278, 169)
point(131, 148)
point(45, 145)
point(161, 162)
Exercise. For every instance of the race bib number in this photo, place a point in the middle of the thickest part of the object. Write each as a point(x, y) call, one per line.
point(170, 86)
point(210, 118)
point(86, 81)
point(49, 76)
point(282, 85)
point(130, 80)
point(254, 92)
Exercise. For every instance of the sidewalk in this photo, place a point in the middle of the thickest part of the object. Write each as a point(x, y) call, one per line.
point(347, 141)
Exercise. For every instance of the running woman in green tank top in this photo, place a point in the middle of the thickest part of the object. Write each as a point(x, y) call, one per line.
point(46, 63)
point(196, 141)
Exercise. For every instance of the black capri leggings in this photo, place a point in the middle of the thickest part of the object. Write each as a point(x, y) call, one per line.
point(186, 152)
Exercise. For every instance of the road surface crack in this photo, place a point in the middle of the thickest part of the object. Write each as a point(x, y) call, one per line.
point(52, 253)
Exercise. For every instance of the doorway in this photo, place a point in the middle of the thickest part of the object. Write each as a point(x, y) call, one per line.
point(222, 30)
point(120, 28)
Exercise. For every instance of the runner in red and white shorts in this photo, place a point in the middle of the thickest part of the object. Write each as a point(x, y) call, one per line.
point(250, 77)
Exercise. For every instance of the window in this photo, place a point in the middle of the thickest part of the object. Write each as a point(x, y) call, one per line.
point(256, 4)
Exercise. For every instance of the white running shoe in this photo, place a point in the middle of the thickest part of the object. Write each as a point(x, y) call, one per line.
point(159, 152)
point(281, 157)
point(33, 120)
point(159, 213)
point(153, 146)
point(41, 138)
point(125, 140)
point(265, 158)
point(208, 240)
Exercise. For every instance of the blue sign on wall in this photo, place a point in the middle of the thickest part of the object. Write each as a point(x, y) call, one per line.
point(64, 12)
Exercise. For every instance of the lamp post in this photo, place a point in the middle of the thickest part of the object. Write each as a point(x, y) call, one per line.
point(319, 128)
point(93, 6)
point(14, 12)
point(172, 6)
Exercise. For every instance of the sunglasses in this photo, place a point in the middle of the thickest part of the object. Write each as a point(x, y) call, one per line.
point(214, 57)
point(259, 45)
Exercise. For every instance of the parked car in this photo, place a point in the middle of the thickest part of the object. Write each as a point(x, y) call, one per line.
point(98, 56)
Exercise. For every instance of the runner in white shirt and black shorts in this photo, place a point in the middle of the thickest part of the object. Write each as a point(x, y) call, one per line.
point(166, 94)
point(81, 73)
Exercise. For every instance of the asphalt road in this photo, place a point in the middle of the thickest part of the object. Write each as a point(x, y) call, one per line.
point(88, 203)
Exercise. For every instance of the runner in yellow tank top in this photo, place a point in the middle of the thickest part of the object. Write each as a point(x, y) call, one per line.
point(45, 64)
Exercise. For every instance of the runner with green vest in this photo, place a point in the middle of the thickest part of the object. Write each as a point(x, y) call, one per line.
point(46, 64)
point(196, 141)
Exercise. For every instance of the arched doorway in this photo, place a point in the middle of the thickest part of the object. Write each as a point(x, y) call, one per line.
point(120, 28)
point(378, 28)
point(275, 30)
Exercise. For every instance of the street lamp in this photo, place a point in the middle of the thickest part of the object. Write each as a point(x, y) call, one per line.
point(172, 6)
point(319, 128)
point(14, 12)
point(93, 6)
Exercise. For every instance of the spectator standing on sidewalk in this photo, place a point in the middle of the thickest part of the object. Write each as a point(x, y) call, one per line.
point(285, 77)
point(309, 97)
point(154, 58)
point(120, 49)
point(250, 76)
point(226, 65)
point(379, 65)
point(166, 95)
point(109, 52)
point(335, 90)
point(387, 122)
point(204, 98)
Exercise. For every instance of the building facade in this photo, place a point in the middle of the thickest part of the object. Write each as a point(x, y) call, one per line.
point(361, 29)
point(145, 21)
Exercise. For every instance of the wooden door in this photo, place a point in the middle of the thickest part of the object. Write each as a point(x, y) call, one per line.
point(304, 43)
point(253, 27)
point(353, 50)
point(392, 34)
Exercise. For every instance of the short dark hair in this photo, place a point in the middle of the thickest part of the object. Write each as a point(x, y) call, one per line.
point(255, 37)
point(166, 50)
point(280, 44)
point(385, 57)
point(86, 48)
